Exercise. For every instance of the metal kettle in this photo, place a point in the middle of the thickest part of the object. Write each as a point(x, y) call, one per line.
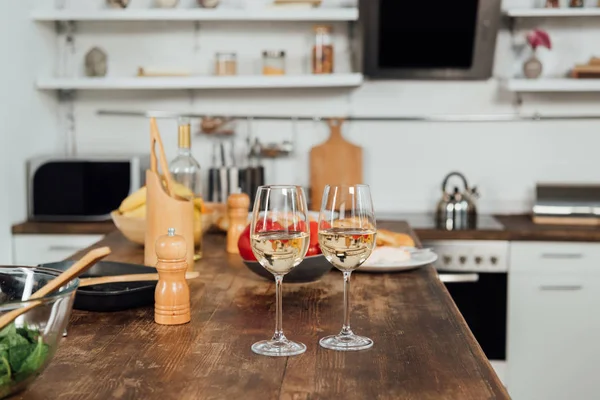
point(456, 210)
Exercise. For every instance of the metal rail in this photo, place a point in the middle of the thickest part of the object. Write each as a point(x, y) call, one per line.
point(416, 118)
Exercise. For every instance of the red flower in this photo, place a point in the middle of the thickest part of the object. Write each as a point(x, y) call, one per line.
point(538, 37)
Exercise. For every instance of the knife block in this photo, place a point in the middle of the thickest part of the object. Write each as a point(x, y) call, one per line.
point(165, 210)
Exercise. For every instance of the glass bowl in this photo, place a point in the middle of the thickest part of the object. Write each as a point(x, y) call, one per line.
point(28, 344)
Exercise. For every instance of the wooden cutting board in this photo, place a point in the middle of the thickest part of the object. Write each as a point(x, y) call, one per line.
point(334, 162)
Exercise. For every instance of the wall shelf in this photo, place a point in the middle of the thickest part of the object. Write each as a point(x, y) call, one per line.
point(552, 85)
point(198, 14)
point(552, 12)
point(202, 82)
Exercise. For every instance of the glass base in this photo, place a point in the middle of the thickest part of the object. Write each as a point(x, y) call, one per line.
point(278, 348)
point(346, 342)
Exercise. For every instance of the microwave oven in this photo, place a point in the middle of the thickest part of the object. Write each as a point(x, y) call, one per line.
point(81, 188)
point(436, 39)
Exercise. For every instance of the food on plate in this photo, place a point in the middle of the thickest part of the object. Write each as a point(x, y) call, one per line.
point(246, 250)
point(22, 354)
point(388, 255)
point(393, 239)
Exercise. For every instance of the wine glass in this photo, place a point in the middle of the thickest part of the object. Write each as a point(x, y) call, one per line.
point(279, 236)
point(347, 237)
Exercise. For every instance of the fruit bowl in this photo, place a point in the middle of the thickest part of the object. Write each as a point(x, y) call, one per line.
point(134, 228)
point(311, 269)
point(29, 343)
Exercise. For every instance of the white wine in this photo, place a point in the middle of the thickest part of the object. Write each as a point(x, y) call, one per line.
point(280, 252)
point(347, 248)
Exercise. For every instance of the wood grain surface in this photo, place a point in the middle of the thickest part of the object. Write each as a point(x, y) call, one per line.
point(63, 228)
point(336, 162)
point(423, 348)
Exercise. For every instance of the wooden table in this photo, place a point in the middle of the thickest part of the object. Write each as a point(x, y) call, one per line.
point(423, 348)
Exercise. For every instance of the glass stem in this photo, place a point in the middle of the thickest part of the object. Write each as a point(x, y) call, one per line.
point(346, 327)
point(278, 336)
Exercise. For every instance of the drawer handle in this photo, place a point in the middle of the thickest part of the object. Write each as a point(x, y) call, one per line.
point(563, 256)
point(64, 248)
point(562, 288)
point(459, 278)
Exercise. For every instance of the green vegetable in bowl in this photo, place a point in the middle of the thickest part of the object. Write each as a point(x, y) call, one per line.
point(22, 353)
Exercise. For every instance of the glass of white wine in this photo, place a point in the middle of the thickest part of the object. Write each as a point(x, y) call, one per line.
point(347, 232)
point(279, 236)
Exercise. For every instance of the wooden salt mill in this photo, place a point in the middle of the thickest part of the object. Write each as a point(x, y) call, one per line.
point(237, 210)
point(172, 295)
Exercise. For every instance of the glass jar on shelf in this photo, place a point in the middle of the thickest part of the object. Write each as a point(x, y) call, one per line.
point(273, 62)
point(225, 64)
point(322, 54)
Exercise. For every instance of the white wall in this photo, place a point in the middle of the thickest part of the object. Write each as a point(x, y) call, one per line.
point(404, 162)
point(28, 122)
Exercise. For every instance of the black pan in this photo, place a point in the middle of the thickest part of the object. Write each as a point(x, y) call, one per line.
point(111, 296)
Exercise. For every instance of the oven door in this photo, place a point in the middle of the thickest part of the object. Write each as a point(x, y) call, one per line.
point(437, 39)
point(482, 300)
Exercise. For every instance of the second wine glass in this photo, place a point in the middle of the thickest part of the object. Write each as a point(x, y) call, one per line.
point(279, 236)
point(347, 237)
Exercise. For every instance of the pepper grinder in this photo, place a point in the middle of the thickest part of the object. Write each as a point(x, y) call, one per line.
point(172, 295)
point(237, 210)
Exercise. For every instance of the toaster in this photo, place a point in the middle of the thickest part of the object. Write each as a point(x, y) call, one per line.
point(81, 188)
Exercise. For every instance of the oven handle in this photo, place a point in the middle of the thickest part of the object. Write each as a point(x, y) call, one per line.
point(564, 288)
point(459, 278)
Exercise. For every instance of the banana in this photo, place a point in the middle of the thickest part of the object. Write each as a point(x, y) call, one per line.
point(139, 212)
point(199, 204)
point(135, 204)
point(133, 201)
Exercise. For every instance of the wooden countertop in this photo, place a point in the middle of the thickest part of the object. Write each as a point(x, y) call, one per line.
point(516, 227)
point(423, 347)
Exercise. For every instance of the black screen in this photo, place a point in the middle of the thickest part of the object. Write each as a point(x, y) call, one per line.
point(80, 188)
point(427, 34)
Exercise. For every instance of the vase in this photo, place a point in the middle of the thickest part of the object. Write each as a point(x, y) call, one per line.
point(532, 68)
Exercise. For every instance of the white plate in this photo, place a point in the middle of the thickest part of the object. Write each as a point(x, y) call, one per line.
point(417, 259)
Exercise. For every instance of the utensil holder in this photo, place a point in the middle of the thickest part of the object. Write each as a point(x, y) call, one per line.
point(164, 209)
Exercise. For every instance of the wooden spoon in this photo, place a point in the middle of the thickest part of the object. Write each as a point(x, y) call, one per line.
point(68, 275)
point(128, 278)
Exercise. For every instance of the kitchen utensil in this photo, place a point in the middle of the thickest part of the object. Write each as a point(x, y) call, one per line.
point(336, 162)
point(61, 280)
point(41, 328)
point(103, 280)
point(213, 177)
point(456, 210)
point(217, 126)
point(415, 258)
point(233, 173)
point(223, 175)
point(172, 295)
point(311, 269)
point(164, 209)
point(237, 212)
point(115, 296)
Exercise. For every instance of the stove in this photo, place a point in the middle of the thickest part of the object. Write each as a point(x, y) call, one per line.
point(427, 221)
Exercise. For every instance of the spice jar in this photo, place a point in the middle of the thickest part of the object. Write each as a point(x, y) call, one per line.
point(274, 62)
point(576, 3)
point(322, 57)
point(225, 64)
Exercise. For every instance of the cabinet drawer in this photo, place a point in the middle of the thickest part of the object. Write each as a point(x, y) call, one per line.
point(37, 249)
point(554, 257)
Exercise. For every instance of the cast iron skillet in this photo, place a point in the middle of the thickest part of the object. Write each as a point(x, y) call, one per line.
point(111, 296)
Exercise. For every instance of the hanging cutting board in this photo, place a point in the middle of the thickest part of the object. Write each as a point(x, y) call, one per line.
point(335, 162)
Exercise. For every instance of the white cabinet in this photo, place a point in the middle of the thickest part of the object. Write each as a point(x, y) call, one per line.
point(37, 249)
point(554, 321)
